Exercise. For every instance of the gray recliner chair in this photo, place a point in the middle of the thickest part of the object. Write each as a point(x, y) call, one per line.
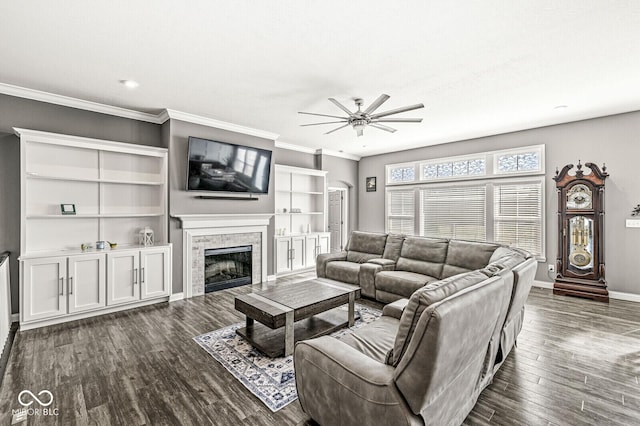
point(424, 367)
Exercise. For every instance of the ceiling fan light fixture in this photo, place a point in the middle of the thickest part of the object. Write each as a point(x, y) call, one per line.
point(358, 126)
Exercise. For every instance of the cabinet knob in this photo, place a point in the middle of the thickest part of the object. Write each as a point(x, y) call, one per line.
point(70, 285)
point(135, 276)
point(142, 276)
point(61, 286)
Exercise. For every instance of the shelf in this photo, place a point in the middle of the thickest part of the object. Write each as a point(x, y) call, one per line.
point(300, 192)
point(91, 216)
point(77, 179)
point(303, 213)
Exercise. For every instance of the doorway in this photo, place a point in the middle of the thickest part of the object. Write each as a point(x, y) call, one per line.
point(338, 218)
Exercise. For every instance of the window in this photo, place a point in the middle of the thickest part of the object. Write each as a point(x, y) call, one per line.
point(471, 197)
point(454, 212)
point(518, 215)
point(401, 174)
point(401, 211)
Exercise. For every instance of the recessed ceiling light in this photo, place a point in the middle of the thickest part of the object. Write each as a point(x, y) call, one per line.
point(364, 146)
point(130, 84)
point(560, 107)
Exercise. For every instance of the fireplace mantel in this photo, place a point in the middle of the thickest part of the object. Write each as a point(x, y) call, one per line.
point(197, 226)
point(194, 221)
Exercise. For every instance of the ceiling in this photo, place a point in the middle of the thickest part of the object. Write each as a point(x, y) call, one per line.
point(480, 67)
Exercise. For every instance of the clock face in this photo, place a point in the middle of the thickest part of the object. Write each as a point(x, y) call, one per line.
point(579, 197)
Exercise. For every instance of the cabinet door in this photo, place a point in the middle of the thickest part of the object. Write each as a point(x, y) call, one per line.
point(297, 252)
point(87, 282)
point(154, 272)
point(311, 249)
point(283, 255)
point(43, 289)
point(324, 243)
point(123, 277)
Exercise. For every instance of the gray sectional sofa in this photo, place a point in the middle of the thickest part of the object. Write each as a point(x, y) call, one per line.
point(456, 309)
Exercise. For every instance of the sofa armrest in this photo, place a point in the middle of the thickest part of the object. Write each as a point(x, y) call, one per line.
point(395, 309)
point(330, 373)
point(387, 264)
point(324, 258)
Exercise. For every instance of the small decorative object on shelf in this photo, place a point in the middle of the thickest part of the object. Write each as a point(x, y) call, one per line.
point(68, 208)
point(636, 211)
point(296, 210)
point(85, 246)
point(308, 228)
point(112, 245)
point(145, 237)
point(99, 245)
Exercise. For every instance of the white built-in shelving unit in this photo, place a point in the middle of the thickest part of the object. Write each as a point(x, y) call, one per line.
point(300, 217)
point(117, 189)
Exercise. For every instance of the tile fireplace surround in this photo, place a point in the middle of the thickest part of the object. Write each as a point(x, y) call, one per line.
point(206, 231)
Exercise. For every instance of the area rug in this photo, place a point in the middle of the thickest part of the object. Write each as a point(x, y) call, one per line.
point(272, 380)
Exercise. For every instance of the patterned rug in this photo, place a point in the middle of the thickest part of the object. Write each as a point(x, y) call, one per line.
point(272, 380)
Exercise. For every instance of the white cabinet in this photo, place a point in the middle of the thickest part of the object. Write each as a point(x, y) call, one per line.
point(123, 277)
point(43, 292)
point(296, 252)
point(154, 272)
point(138, 274)
point(86, 282)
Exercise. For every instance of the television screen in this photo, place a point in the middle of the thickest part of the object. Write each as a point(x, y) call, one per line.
point(226, 167)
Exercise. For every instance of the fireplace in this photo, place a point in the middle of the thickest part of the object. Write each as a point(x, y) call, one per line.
point(227, 267)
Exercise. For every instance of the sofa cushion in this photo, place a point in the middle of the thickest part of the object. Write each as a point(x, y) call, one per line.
point(402, 283)
point(465, 256)
point(344, 271)
point(423, 256)
point(393, 247)
point(509, 261)
point(364, 246)
point(376, 339)
point(423, 298)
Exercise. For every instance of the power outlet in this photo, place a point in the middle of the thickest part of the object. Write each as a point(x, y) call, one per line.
point(551, 267)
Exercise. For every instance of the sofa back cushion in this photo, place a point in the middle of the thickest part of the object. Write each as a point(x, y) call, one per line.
point(364, 246)
point(423, 256)
point(393, 247)
point(420, 300)
point(465, 256)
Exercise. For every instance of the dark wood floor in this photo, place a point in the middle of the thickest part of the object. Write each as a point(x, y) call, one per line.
point(577, 363)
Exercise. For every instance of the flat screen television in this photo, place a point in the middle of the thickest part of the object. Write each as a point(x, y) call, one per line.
point(226, 167)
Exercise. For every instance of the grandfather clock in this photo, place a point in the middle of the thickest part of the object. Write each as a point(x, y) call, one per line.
point(580, 261)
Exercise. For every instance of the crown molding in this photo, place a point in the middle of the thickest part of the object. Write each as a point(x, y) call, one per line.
point(293, 147)
point(338, 154)
point(205, 121)
point(52, 98)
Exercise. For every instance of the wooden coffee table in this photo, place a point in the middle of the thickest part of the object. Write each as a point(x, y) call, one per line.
point(297, 311)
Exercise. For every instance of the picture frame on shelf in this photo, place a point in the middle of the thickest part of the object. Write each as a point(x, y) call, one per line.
point(371, 184)
point(68, 209)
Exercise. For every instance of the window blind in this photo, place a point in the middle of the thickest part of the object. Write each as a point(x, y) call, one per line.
point(454, 212)
point(518, 215)
point(401, 211)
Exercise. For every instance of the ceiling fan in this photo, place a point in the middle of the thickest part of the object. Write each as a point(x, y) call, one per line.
point(360, 119)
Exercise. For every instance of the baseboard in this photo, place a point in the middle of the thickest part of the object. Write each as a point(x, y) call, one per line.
point(618, 295)
point(271, 278)
point(15, 317)
point(543, 284)
point(176, 296)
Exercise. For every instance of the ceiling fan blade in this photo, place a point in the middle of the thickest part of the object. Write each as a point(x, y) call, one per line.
point(342, 107)
point(397, 120)
point(337, 128)
point(376, 104)
point(320, 115)
point(397, 111)
point(382, 127)
point(326, 122)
